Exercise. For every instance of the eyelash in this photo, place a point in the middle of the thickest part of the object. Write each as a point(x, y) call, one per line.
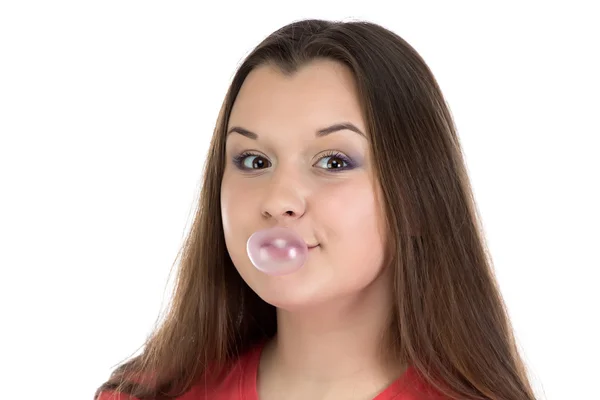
point(239, 160)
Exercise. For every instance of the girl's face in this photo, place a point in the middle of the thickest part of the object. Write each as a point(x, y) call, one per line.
point(290, 162)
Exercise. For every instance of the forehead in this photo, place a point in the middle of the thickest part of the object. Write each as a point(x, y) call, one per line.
point(318, 94)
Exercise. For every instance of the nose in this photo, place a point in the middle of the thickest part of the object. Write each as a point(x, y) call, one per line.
point(283, 200)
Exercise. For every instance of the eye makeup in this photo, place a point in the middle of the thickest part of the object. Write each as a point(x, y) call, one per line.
point(259, 161)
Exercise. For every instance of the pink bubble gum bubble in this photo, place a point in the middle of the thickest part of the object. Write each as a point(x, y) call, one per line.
point(277, 251)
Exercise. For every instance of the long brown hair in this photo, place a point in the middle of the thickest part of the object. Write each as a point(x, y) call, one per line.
point(449, 319)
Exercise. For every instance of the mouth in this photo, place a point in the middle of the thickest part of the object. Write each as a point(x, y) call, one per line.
point(313, 247)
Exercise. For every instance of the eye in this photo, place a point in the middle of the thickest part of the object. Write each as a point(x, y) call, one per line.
point(334, 161)
point(249, 161)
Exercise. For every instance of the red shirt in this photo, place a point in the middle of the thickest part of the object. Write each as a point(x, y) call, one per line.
point(240, 384)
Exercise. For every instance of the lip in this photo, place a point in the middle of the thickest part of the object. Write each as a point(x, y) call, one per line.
point(312, 247)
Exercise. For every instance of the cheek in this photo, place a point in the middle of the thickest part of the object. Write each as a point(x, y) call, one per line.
point(233, 205)
point(348, 207)
point(351, 218)
point(240, 213)
point(232, 218)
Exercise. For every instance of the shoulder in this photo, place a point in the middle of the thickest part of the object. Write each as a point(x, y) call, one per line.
point(115, 396)
point(413, 386)
point(239, 382)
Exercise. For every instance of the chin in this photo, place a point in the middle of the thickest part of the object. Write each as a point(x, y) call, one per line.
point(298, 290)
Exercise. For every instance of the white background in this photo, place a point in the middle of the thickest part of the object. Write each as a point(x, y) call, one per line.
point(106, 111)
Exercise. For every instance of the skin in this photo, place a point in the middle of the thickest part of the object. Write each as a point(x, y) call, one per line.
point(332, 312)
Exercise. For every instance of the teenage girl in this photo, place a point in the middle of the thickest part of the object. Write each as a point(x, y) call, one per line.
point(338, 131)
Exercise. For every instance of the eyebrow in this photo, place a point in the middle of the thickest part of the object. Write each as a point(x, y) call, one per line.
point(320, 133)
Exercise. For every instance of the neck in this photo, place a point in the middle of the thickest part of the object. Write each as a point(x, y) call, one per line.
point(335, 342)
